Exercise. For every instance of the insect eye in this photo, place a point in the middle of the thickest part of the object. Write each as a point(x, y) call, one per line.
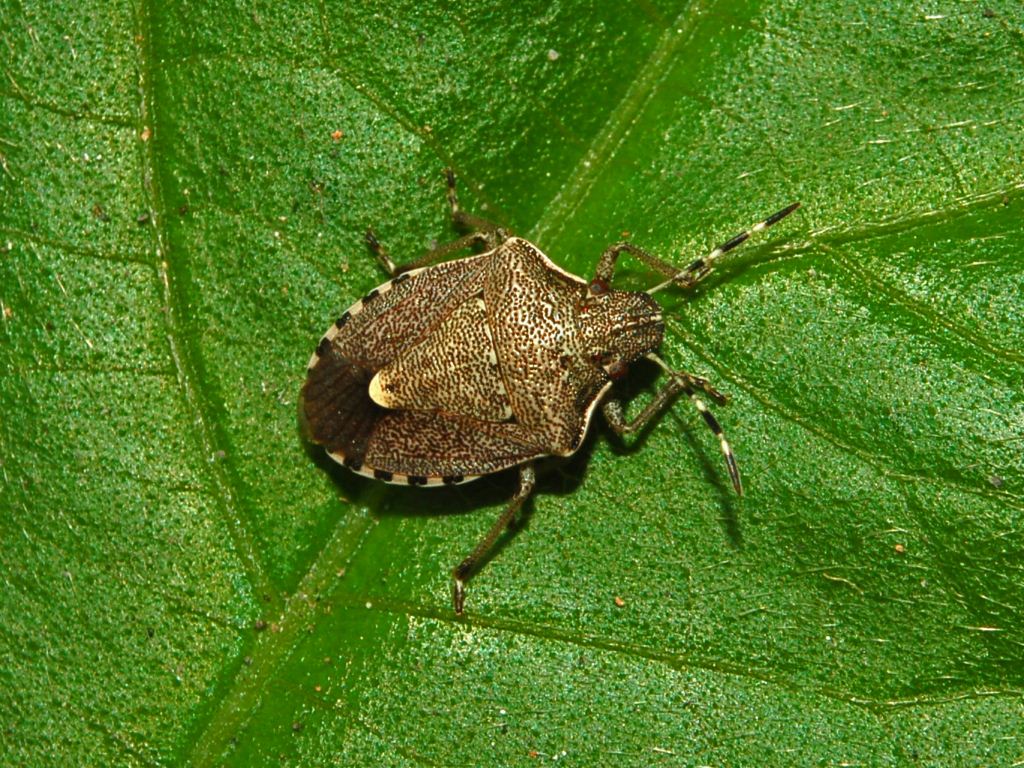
point(597, 287)
point(616, 370)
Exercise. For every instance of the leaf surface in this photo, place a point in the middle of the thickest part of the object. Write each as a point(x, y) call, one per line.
point(183, 192)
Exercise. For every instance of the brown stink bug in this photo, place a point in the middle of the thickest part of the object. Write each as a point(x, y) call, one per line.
point(461, 368)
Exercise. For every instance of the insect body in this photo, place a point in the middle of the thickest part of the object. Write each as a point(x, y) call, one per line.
point(458, 369)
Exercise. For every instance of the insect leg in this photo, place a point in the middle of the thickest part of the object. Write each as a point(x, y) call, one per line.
point(381, 253)
point(679, 381)
point(482, 232)
point(527, 479)
point(615, 415)
point(606, 264)
point(468, 221)
point(701, 268)
point(436, 254)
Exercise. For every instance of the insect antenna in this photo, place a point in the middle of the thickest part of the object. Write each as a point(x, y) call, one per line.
point(689, 384)
point(701, 268)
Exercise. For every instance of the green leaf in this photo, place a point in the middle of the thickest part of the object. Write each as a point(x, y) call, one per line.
point(183, 192)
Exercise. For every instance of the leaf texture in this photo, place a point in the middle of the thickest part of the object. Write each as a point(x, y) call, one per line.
point(183, 191)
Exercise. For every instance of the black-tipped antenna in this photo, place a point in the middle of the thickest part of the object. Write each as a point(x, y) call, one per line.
point(700, 269)
point(689, 384)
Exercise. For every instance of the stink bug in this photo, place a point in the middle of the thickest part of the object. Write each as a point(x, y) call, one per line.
point(456, 369)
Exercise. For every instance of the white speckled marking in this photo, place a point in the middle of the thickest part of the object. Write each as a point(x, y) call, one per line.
point(356, 308)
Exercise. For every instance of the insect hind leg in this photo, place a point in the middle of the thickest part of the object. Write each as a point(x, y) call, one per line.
point(383, 257)
point(462, 572)
point(481, 232)
point(488, 231)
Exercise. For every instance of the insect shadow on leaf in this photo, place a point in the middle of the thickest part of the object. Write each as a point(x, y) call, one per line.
point(456, 369)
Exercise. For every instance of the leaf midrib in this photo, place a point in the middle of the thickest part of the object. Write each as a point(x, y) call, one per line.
point(173, 277)
point(617, 127)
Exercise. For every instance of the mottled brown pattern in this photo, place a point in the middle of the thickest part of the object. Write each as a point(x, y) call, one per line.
point(484, 362)
point(549, 335)
point(436, 444)
point(454, 369)
point(531, 310)
point(461, 369)
point(401, 317)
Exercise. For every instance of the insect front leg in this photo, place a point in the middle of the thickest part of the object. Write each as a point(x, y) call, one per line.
point(687, 277)
point(606, 264)
point(679, 382)
point(615, 414)
point(527, 479)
